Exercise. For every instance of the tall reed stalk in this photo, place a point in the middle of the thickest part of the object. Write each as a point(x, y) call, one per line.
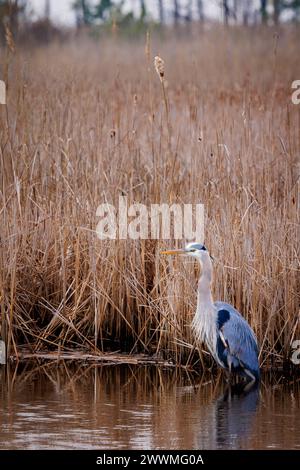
point(85, 126)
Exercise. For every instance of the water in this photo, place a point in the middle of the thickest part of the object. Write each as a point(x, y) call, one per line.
point(82, 406)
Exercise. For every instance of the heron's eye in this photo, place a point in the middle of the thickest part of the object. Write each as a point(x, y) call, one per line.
point(192, 249)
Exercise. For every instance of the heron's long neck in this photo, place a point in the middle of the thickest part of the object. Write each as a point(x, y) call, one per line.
point(205, 300)
point(204, 324)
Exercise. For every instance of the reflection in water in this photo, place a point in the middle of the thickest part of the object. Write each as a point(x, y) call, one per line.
point(81, 406)
point(235, 412)
point(228, 417)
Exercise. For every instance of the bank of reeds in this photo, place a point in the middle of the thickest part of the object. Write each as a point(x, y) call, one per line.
point(86, 123)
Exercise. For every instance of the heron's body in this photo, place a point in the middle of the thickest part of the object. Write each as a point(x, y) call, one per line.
point(224, 331)
point(229, 339)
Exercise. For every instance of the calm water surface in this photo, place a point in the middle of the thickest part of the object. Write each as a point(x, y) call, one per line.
point(67, 406)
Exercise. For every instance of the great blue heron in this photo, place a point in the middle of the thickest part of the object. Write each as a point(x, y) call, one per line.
point(227, 335)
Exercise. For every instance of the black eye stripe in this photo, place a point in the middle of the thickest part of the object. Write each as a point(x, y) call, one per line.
point(197, 247)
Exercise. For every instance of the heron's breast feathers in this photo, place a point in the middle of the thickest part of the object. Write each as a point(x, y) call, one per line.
point(204, 327)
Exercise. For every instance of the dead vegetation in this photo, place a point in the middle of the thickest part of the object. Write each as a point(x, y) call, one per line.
point(87, 122)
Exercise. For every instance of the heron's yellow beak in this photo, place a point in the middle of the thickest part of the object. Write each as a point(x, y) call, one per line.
point(173, 252)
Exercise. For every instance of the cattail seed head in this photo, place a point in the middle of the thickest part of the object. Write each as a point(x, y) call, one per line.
point(147, 46)
point(159, 65)
point(9, 39)
point(114, 27)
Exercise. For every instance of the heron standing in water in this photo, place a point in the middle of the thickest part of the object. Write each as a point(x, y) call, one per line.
point(224, 331)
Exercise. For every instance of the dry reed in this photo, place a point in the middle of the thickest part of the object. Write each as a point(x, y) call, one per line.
point(77, 115)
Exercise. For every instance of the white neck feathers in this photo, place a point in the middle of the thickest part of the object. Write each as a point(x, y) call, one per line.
point(204, 321)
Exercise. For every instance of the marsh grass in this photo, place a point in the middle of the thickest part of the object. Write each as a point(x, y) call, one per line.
point(85, 123)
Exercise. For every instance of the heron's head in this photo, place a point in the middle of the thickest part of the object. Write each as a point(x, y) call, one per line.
point(196, 250)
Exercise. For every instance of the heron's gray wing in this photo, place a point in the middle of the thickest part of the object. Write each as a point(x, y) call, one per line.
point(238, 335)
point(225, 306)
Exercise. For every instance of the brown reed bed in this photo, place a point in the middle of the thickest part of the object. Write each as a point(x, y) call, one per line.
point(87, 122)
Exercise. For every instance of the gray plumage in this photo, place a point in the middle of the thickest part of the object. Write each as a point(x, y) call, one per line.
point(224, 331)
point(241, 351)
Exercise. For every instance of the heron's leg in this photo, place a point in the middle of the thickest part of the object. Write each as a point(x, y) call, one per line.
point(229, 376)
point(248, 386)
point(229, 362)
point(252, 380)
